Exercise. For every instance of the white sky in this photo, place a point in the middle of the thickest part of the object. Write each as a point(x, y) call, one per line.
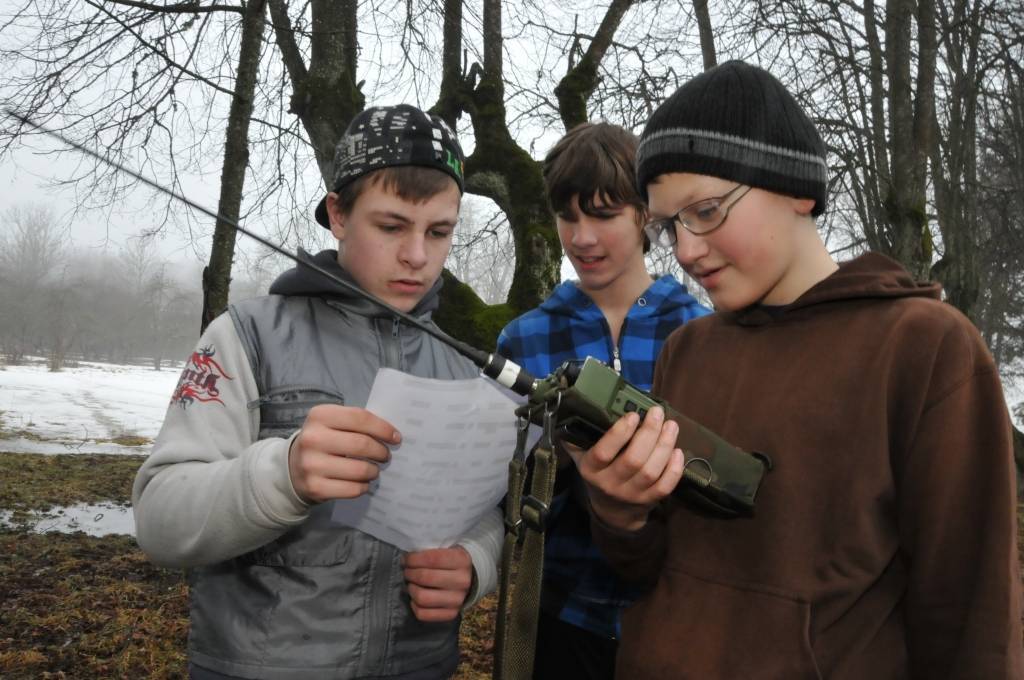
point(28, 177)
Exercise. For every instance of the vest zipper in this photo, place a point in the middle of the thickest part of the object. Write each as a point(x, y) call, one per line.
point(383, 573)
point(375, 661)
point(391, 344)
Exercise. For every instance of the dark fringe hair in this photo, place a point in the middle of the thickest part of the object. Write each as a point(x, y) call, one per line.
point(592, 161)
point(412, 183)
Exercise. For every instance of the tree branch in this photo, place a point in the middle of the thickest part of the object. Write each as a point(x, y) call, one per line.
point(156, 50)
point(180, 8)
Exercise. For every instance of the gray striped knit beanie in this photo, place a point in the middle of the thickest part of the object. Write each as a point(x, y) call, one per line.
point(737, 122)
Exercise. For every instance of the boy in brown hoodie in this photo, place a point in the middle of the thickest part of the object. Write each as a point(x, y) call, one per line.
point(883, 543)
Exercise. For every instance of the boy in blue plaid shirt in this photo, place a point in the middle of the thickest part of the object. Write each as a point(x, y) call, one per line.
point(617, 314)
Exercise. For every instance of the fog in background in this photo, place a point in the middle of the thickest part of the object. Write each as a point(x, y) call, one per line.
point(71, 293)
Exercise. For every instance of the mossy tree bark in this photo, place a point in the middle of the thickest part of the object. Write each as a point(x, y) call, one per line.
point(582, 78)
point(503, 171)
point(498, 167)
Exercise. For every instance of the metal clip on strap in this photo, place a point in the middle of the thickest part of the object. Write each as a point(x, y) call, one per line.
point(516, 479)
point(534, 513)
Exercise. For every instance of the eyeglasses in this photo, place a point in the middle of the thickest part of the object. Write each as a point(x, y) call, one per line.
point(700, 218)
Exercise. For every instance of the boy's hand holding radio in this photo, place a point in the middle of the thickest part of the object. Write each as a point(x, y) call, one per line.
point(631, 468)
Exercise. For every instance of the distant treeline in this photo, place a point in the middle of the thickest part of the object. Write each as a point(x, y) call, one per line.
point(131, 306)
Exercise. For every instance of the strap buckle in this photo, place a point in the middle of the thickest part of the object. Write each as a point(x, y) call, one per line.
point(534, 513)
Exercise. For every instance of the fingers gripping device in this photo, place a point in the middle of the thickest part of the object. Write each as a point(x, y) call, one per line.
point(587, 397)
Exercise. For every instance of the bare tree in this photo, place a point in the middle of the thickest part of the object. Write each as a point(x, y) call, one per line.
point(31, 252)
point(61, 302)
point(153, 56)
point(976, 55)
point(126, 76)
point(999, 309)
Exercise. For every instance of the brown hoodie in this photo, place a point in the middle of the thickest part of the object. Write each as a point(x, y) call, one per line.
point(883, 544)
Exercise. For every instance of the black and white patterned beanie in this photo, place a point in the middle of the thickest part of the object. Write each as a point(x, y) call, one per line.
point(388, 136)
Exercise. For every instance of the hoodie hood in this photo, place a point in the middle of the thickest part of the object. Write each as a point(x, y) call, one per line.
point(870, 276)
point(301, 280)
point(663, 296)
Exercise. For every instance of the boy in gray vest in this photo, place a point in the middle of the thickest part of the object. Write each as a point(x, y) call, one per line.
point(266, 426)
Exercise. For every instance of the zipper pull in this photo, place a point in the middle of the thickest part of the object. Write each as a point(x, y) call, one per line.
point(616, 364)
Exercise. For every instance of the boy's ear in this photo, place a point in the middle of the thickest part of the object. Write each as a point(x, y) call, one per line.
point(802, 206)
point(335, 216)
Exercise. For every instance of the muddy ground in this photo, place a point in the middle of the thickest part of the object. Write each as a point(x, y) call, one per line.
point(77, 606)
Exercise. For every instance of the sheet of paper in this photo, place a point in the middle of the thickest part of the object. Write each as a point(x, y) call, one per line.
point(451, 467)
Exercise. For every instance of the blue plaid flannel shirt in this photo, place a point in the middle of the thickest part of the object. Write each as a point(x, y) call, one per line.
point(580, 587)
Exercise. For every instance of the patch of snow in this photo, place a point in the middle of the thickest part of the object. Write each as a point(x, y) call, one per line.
point(89, 402)
point(102, 519)
point(53, 447)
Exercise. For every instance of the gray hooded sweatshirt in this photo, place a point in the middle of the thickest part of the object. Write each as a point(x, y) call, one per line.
point(276, 589)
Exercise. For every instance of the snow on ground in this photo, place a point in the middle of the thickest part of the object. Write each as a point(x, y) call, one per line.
point(101, 519)
point(78, 410)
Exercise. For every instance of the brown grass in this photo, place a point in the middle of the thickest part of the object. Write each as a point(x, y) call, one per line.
point(33, 482)
point(76, 606)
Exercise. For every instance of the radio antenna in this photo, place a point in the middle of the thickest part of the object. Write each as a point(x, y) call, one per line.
point(494, 366)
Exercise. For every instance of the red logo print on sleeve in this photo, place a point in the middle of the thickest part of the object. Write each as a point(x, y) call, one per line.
point(198, 382)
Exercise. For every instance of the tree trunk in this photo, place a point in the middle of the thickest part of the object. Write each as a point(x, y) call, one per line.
point(707, 34)
point(217, 273)
point(910, 120)
point(502, 171)
point(325, 96)
point(954, 164)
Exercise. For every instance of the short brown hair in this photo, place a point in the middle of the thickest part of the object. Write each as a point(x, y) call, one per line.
point(412, 183)
point(593, 160)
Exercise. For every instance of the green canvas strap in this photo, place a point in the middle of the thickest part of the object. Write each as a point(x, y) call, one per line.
point(525, 517)
point(513, 499)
